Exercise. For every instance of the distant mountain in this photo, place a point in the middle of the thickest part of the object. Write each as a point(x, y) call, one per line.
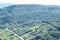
point(22, 13)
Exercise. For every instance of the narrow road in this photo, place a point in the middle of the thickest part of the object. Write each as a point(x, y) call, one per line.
point(29, 32)
point(27, 22)
point(15, 34)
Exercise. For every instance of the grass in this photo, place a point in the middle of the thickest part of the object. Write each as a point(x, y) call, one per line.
point(6, 35)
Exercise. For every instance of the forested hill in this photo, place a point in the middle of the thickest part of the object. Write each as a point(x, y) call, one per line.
point(30, 16)
point(17, 14)
point(22, 13)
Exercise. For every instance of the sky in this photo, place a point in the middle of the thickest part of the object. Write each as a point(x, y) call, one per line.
point(44, 2)
point(5, 3)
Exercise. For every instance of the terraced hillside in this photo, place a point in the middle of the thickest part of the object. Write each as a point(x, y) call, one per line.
point(30, 22)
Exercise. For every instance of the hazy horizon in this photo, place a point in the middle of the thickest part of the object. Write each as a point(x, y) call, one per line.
point(5, 3)
point(45, 2)
point(2, 5)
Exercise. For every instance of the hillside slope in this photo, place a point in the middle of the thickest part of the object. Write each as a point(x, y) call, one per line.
point(32, 22)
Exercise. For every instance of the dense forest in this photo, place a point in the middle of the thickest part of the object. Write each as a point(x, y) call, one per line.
point(31, 22)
